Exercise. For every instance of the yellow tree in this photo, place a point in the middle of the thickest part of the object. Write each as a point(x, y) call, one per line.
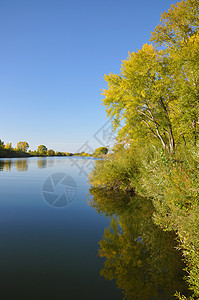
point(8, 146)
point(178, 33)
point(42, 150)
point(22, 146)
point(177, 25)
point(50, 152)
point(142, 97)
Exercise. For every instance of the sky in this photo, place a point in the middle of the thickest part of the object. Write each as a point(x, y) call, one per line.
point(53, 58)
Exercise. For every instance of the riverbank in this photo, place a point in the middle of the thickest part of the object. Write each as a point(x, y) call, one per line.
point(171, 182)
point(8, 153)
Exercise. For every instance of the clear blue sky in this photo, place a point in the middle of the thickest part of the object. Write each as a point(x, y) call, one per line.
point(53, 57)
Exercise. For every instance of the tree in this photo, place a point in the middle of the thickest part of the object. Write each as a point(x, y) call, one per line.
point(50, 152)
point(42, 150)
point(142, 97)
point(1, 144)
point(58, 153)
point(100, 151)
point(22, 146)
point(156, 95)
point(178, 33)
point(8, 146)
point(177, 25)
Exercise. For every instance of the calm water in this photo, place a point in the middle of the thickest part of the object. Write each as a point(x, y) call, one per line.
point(54, 245)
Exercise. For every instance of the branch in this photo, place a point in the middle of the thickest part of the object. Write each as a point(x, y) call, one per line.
point(157, 129)
point(150, 128)
point(144, 115)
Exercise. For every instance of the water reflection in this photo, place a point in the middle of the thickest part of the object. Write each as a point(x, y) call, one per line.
point(1, 165)
point(138, 255)
point(41, 163)
point(7, 165)
point(21, 165)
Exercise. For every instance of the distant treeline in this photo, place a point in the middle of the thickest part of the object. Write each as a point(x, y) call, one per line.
point(22, 151)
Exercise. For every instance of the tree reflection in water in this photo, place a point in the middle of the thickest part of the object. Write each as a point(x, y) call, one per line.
point(21, 165)
point(41, 163)
point(138, 255)
point(1, 165)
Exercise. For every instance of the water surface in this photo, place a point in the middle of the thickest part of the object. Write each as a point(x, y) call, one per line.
point(48, 252)
point(51, 248)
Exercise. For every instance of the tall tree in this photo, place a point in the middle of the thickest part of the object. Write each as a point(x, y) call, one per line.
point(157, 92)
point(178, 33)
point(142, 97)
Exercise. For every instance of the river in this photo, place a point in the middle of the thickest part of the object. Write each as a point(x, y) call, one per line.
point(61, 239)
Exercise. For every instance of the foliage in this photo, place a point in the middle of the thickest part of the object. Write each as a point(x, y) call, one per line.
point(178, 24)
point(178, 33)
point(50, 152)
point(8, 151)
point(42, 150)
point(118, 171)
point(59, 153)
point(8, 146)
point(1, 144)
point(82, 154)
point(100, 151)
point(141, 97)
point(22, 146)
point(173, 183)
point(156, 99)
point(156, 93)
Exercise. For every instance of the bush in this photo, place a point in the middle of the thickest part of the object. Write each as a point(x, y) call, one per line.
point(118, 171)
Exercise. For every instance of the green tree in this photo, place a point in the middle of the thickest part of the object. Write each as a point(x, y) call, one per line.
point(1, 143)
point(22, 146)
point(42, 150)
point(156, 99)
point(100, 151)
point(142, 97)
point(50, 152)
point(58, 153)
point(178, 34)
point(177, 25)
point(156, 95)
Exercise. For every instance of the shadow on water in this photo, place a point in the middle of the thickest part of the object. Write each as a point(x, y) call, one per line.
point(138, 255)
